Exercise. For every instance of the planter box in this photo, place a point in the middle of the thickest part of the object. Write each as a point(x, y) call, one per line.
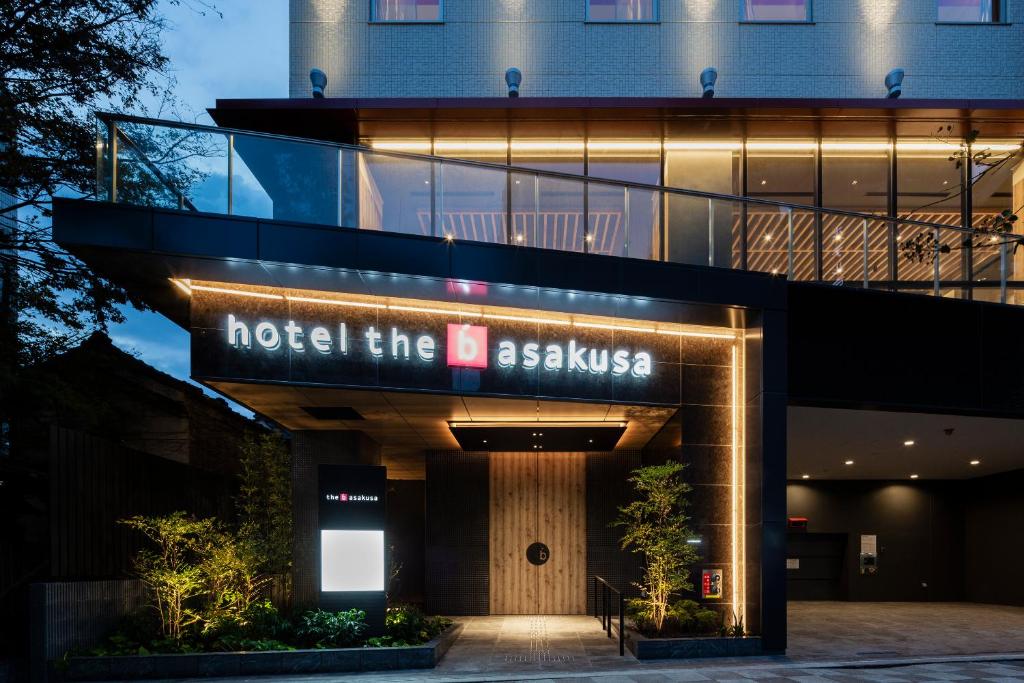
point(278, 662)
point(643, 647)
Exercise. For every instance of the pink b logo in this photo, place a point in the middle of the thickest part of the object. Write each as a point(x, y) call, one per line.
point(467, 346)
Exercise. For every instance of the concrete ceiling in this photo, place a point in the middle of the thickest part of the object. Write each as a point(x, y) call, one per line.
point(822, 439)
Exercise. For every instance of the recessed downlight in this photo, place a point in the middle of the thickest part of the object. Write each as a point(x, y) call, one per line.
point(805, 476)
point(975, 462)
point(848, 462)
point(913, 476)
point(909, 442)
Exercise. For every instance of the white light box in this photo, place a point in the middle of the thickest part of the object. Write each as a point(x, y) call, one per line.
point(351, 560)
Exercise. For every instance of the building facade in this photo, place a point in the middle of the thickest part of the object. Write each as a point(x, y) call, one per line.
point(590, 48)
point(512, 302)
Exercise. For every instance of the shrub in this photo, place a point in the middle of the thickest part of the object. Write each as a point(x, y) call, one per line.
point(319, 628)
point(655, 526)
point(173, 572)
point(407, 625)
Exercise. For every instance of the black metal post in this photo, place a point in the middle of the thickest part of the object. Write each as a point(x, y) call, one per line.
point(622, 614)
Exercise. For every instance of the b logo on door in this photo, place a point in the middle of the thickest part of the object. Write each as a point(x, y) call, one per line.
point(467, 346)
point(537, 553)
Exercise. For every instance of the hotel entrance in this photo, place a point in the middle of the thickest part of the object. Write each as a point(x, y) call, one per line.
point(538, 536)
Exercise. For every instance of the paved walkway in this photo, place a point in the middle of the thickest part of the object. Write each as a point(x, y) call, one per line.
point(848, 630)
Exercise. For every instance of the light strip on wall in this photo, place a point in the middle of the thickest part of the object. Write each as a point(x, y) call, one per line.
point(470, 146)
point(735, 522)
point(417, 146)
point(187, 288)
point(525, 319)
point(237, 292)
point(702, 335)
point(440, 311)
point(703, 146)
point(622, 328)
point(183, 286)
point(335, 302)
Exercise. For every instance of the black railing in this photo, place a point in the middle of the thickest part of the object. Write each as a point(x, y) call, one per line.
point(603, 610)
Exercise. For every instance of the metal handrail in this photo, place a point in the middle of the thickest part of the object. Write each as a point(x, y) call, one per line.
point(108, 117)
point(605, 613)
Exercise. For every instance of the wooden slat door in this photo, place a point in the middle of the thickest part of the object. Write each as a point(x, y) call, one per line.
point(538, 497)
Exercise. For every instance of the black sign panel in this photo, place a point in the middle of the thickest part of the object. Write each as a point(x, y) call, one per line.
point(277, 340)
point(352, 496)
point(538, 553)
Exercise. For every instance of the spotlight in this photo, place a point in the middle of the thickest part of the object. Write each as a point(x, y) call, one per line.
point(708, 77)
point(513, 79)
point(319, 80)
point(894, 83)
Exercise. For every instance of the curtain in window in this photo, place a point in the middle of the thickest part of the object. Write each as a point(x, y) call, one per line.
point(776, 10)
point(967, 10)
point(407, 10)
point(622, 10)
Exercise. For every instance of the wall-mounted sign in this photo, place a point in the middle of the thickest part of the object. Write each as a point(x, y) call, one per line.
point(538, 554)
point(289, 341)
point(711, 584)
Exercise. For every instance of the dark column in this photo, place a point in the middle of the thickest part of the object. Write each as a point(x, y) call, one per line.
point(766, 395)
point(309, 449)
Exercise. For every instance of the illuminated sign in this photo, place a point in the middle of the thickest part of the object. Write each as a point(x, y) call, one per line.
point(399, 348)
point(711, 584)
point(466, 344)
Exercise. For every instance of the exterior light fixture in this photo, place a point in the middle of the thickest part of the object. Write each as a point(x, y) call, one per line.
point(849, 462)
point(913, 476)
point(319, 81)
point(449, 237)
point(908, 442)
point(805, 476)
point(513, 79)
point(975, 462)
point(708, 78)
point(894, 83)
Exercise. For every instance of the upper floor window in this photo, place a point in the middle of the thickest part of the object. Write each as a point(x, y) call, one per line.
point(777, 10)
point(969, 11)
point(406, 10)
point(622, 10)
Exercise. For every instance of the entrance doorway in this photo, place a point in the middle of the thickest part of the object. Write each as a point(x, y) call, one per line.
point(538, 533)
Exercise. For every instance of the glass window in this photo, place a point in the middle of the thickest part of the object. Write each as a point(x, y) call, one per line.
point(622, 10)
point(777, 10)
point(969, 10)
point(407, 10)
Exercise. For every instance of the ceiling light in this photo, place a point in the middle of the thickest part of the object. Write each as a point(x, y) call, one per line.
point(806, 476)
point(768, 237)
point(764, 182)
point(849, 462)
point(913, 476)
point(908, 442)
point(975, 462)
point(854, 182)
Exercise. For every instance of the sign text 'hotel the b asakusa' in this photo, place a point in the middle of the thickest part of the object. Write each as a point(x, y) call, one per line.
point(467, 347)
point(308, 344)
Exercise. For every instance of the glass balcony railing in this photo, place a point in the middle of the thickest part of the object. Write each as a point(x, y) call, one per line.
point(199, 168)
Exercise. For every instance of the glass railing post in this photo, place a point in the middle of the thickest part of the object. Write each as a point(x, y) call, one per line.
point(231, 172)
point(536, 210)
point(790, 256)
point(433, 198)
point(937, 291)
point(867, 255)
point(112, 144)
point(1003, 269)
point(711, 232)
point(627, 225)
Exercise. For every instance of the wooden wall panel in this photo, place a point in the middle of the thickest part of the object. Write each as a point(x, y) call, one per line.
point(538, 497)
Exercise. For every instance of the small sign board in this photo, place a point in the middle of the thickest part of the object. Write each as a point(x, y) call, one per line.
point(711, 584)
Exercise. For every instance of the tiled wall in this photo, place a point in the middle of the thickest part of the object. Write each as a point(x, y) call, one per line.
point(845, 52)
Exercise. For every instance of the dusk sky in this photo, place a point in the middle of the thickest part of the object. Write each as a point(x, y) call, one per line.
point(245, 54)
